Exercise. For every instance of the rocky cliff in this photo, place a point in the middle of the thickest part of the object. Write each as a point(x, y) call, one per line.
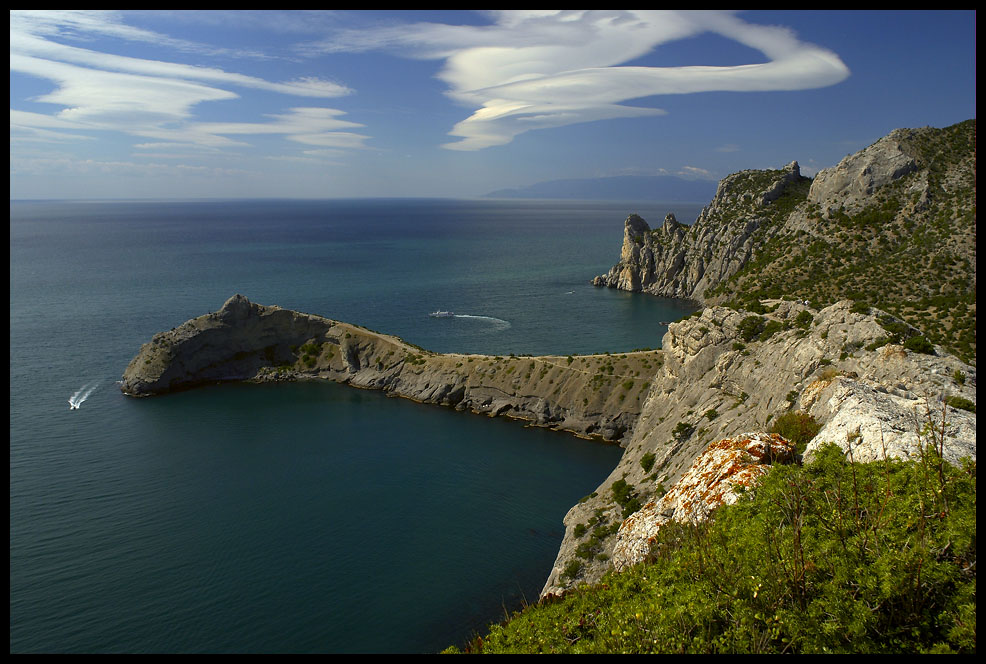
point(685, 261)
point(893, 226)
point(589, 395)
point(729, 371)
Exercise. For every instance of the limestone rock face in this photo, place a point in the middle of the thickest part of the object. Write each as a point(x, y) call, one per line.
point(872, 422)
point(725, 470)
point(681, 261)
point(717, 382)
point(855, 178)
point(230, 344)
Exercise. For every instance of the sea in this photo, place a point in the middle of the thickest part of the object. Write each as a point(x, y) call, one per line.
point(297, 517)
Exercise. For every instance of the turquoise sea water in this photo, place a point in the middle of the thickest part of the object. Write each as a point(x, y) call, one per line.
point(294, 517)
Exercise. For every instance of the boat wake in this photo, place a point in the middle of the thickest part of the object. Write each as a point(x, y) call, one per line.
point(81, 395)
point(499, 323)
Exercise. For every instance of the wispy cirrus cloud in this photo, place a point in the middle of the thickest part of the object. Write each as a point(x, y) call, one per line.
point(542, 69)
point(100, 91)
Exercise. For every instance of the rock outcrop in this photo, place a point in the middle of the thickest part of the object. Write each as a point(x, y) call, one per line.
point(588, 395)
point(681, 261)
point(726, 470)
point(853, 181)
point(727, 372)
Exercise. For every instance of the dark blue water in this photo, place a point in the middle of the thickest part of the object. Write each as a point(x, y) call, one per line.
point(296, 517)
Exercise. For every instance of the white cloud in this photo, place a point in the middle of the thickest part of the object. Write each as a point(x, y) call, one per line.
point(28, 44)
point(98, 91)
point(82, 25)
point(536, 70)
point(696, 172)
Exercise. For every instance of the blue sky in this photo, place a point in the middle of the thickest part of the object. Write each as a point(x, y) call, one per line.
point(457, 104)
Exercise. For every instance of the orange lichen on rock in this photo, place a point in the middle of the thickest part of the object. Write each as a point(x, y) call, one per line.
point(713, 480)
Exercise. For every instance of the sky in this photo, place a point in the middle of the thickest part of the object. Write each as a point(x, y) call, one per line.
point(354, 104)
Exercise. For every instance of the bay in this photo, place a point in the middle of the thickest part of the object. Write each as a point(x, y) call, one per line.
point(295, 517)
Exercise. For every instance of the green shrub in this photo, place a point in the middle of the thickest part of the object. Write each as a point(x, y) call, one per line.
point(625, 496)
point(647, 461)
point(797, 427)
point(804, 320)
point(572, 569)
point(860, 307)
point(920, 345)
point(750, 327)
point(682, 430)
point(830, 557)
point(770, 328)
point(961, 403)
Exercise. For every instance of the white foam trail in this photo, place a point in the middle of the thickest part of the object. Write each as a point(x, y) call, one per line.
point(502, 324)
point(81, 395)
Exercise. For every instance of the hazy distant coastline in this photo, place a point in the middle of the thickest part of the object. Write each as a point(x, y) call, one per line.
point(626, 187)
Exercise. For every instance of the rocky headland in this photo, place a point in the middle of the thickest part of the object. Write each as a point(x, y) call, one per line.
point(597, 396)
point(844, 298)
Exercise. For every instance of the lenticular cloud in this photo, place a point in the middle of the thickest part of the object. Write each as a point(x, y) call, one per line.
point(537, 70)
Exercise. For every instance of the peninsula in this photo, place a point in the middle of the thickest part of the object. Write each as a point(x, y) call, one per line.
point(596, 396)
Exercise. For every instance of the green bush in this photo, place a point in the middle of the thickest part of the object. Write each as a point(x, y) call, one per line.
point(647, 461)
point(625, 497)
point(770, 328)
point(750, 327)
point(682, 430)
point(860, 307)
point(797, 427)
point(804, 320)
point(830, 557)
point(961, 403)
point(920, 345)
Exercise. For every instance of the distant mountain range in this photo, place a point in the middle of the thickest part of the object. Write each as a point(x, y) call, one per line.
point(629, 187)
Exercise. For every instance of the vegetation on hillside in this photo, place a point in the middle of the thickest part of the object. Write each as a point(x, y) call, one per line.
point(829, 557)
point(909, 255)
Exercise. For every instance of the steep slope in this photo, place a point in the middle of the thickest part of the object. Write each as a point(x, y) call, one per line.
point(892, 226)
point(727, 372)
